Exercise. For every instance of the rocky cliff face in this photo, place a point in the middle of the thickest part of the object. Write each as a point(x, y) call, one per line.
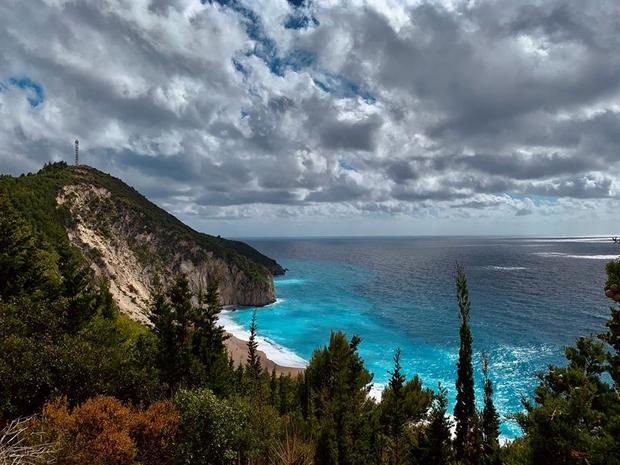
point(135, 246)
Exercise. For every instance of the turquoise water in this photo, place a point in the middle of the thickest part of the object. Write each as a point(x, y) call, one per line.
point(530, 298)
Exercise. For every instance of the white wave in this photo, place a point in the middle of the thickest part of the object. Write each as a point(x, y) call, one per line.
point(584, 257)
point(376, 391)
point(275, 352)
point(572, 239)
point(505, 268)
point(289, 281)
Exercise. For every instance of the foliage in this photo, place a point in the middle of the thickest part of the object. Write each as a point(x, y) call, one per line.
point(211, 429)
point(337, 390)
point(60, 334)
point(489, 421)
point(436, 443)
point(104, 431)
point(466, 442)
point(190, 342)
point(68, 355)
point(253, 366)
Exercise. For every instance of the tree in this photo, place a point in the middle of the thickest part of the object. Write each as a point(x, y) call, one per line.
point(489, 421)
point(210, 430)
point(574, 416)
point(165, 327)
point(466, 441)
point(337, 385)
point(436, 447)
point(392, 400)
point(402, 403)
point(253, 366)
point(209, 337)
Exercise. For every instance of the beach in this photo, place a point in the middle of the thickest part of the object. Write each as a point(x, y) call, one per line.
point(238, 350)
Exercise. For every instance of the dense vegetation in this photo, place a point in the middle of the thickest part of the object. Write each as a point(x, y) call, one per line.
point(34, 196)
point(101, 389)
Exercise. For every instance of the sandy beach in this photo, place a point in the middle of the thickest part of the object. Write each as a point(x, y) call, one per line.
point(238, 350)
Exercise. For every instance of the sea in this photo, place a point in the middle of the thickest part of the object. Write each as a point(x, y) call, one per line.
point(531, 297)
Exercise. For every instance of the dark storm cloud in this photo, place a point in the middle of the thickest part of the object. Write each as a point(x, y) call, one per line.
point(352, 136)
point(322, 106)
point(580, 188)
point(519, 166)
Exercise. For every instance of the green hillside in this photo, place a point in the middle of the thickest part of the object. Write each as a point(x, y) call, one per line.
point(34, 196)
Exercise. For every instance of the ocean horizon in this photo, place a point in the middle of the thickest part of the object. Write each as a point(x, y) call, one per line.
point(531, 297)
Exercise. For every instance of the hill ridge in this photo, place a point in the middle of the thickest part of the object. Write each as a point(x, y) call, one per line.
point(131, 242)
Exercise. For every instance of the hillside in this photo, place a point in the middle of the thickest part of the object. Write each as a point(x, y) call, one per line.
point(132, 243)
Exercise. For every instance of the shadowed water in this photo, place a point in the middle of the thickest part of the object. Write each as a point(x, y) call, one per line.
point(530, 298)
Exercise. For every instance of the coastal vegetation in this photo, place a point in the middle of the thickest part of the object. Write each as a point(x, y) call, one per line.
point(80, 382)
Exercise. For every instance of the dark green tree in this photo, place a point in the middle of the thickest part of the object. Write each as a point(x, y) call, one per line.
point(402, 403)
point(337, 385)
point(489, 420)
point(466, 440)
point(208, 340)
point(273, 389)
point(165, 327)
point(436, 447)
point(253, 366)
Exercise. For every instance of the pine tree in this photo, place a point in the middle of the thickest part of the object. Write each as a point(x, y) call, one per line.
point(253, 367)
point(283, 394)
point(209, 337)
point(465, 443)
point(337, 386)
point(164, 323)
point(173, 319)
point(273, 389)
point(393, 415)
point(489, 420)
point(437, 442)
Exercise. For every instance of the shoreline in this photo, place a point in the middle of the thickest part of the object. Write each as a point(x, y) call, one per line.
point(238, 350)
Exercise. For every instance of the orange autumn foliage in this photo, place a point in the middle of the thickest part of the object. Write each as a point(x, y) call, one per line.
point(104, 431)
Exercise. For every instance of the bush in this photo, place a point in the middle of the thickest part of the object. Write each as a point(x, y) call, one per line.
point(211, 429)
point(104, 431)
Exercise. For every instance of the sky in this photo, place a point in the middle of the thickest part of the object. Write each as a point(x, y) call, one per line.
point(327, 117)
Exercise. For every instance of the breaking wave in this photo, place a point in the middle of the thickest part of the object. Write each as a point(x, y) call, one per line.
point(275, 352)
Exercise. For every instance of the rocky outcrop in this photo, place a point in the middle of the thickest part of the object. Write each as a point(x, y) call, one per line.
point(135, 250)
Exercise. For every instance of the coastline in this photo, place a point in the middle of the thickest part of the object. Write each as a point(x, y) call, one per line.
point(238, 351)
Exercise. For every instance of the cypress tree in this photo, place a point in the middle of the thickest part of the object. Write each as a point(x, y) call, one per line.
point(254, 368)
point(490, 420)
point(465, 443)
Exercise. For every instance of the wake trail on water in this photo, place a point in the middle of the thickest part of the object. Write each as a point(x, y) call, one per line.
point(566, 255)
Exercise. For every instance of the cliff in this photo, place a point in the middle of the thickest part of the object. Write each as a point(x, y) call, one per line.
point(133, 244)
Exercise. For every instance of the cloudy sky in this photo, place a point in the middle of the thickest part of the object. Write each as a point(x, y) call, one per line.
point(327, 117)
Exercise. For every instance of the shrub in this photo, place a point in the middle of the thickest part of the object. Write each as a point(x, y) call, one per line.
point(210, 430)
point(104, 431)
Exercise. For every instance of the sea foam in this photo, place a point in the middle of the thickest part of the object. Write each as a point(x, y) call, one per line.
point(584, 257)
point(505, 268)
point(275, 352)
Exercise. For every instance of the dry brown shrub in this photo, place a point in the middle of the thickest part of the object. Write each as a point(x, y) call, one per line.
point(104, 431)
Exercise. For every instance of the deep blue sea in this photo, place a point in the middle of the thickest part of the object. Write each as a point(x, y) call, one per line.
point(530, 298)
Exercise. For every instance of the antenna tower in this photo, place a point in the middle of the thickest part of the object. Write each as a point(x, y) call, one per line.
point(77, 152)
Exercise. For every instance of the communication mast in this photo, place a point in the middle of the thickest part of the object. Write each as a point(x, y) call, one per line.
point(77, 152)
